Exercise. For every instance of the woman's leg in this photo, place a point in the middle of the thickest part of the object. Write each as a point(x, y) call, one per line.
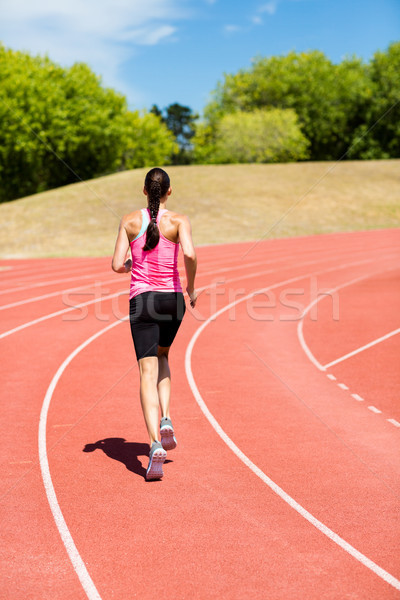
point(172, 306)
point(164, 381)
point(148, 368)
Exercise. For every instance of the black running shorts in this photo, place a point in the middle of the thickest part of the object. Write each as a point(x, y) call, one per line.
point(155, 318)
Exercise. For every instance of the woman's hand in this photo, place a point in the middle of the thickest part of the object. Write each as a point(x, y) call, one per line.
point(128, 265)
point(192, 297)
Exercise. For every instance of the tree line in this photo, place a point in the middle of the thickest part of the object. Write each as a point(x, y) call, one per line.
point(303, 106)
point(59, 124)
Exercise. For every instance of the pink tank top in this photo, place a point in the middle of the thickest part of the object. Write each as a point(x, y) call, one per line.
point(154, 270)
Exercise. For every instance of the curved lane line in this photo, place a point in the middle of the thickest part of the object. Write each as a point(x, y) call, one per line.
point(45, 283)
point(75, 557)
point(60, 270)
point(390, 579)
point(60, 312)
point(300, 324)
point(58, 293)
point(28, 271)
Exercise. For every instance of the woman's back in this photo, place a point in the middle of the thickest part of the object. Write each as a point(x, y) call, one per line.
point(156, 269)
point(168, 224)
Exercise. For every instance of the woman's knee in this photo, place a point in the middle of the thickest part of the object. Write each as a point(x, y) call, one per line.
point(148, 367)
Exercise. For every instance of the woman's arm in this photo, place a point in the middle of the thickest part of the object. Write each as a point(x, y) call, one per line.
point(120, 264)
point(189, 256)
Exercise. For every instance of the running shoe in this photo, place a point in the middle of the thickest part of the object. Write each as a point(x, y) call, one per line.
point(157, 456)
point(168, 439)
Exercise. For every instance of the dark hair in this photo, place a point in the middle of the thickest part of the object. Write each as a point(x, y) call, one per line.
point(157, 185)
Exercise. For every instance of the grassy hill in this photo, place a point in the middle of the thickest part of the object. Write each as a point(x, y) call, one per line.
point(224, 202)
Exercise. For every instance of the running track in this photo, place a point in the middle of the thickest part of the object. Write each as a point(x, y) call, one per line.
point(286, 480)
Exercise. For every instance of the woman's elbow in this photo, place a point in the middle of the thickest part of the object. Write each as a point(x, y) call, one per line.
point(190, 255)
point(116, 267)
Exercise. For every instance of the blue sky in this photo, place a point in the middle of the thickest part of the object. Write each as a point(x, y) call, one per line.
point(165, 51)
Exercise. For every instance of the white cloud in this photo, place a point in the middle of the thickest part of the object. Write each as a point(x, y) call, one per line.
point(147, 36)
point(95, 17)
point(103, 33)
point(269, 7)
point(232, 28)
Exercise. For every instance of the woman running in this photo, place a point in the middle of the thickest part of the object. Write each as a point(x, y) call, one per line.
point(156, 302)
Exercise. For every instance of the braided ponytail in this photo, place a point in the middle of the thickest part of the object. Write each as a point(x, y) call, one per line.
point(157, 185)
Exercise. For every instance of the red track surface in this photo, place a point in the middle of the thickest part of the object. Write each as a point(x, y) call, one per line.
point(219, 524)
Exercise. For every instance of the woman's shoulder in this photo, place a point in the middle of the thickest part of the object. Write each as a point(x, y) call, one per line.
point(175, 217)
point(171, 225)
point(133, 222)
point(133, 216)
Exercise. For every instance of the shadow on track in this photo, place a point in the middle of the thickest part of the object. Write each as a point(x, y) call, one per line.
point(125, 452)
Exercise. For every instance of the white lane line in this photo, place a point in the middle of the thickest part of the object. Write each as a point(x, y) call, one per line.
point(394, 422)
point(75, 557)
point(236, 267)
point(357, 397)
point(379, 571)
point(273, 261)
point(51, 282)
point(343, 386)
point(300, 325)
point(58, 293)
point(26, 272)
point(358, 350)
point(331, 377)
point(374, 410)
point(61, 270)
point(60, 312)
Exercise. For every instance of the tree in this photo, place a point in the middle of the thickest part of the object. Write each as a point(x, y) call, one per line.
point(156, 111)
point(378, 136)
point(180, 121)
point(260, 136)
point(204, 143)
point(327, 98)
point(145, 142)
point(58, 125)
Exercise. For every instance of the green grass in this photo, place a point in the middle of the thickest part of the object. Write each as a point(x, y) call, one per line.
point(224, 202)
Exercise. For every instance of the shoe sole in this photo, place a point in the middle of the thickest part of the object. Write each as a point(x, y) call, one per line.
point(168, 440)
point(155, 470)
